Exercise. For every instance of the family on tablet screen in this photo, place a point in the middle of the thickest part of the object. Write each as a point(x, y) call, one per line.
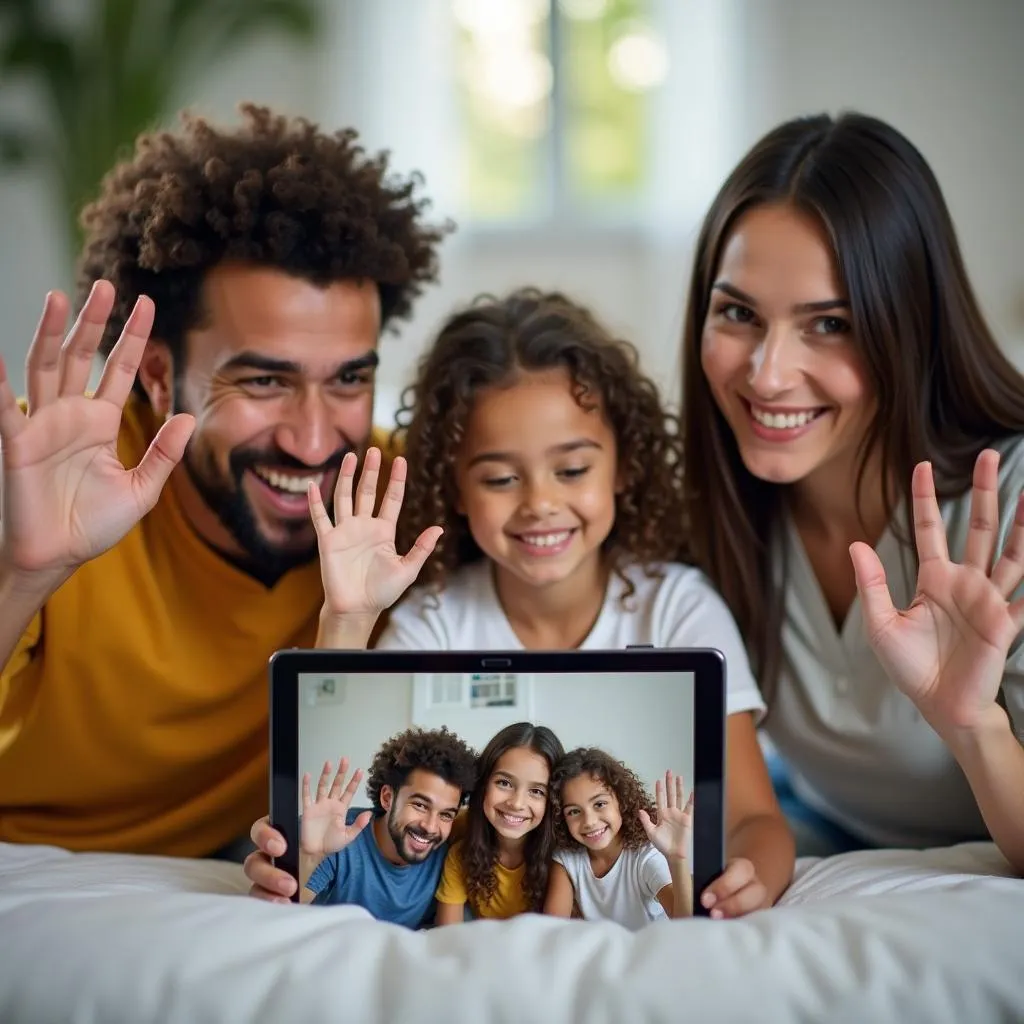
point(544, 831)
point(836, 509)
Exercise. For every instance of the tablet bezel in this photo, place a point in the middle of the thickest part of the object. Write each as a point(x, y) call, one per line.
point(709, 690)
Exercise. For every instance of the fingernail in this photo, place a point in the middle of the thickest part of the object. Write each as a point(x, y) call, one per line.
point(717, 915)
point(708, 899)
point(276, 847)
point(285, 886)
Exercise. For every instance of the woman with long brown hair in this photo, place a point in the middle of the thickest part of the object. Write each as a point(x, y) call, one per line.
point(854, 454)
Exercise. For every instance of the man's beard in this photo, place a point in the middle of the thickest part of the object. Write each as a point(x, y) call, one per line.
point(398, 838)
point(226, 498)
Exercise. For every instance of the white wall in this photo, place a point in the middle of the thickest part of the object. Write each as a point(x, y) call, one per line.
point(948, 73)
point(645, 721)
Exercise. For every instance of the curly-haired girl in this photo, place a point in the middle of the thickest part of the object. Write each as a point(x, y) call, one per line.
point(543, 509)
point(621, 857)
point(500, 866)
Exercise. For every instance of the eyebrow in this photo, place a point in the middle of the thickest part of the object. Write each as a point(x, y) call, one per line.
point(511, 778)
point(558, 449)
point(268, 364)
point(597, 796)
point(430, 800)
point(803, 307)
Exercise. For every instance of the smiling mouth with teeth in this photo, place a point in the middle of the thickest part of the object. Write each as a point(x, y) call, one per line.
point(784, 420)
point(595, 835)
point(289, 483)
point(545, 540)
point(515, 820)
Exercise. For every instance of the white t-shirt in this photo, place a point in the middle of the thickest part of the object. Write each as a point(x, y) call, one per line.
point(859, 751)
point(678, 609)
point(627, 894)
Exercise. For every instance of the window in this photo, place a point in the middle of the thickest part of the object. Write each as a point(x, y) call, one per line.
point(553, 103)
point(492, 690)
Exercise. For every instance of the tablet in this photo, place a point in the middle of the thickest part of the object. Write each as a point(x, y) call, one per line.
point(652, 709)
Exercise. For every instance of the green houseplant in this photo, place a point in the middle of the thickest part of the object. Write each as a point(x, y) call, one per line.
point(115, 73)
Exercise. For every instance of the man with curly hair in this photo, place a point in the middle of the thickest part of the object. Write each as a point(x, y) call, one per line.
point(416, 783)
point(237, 282)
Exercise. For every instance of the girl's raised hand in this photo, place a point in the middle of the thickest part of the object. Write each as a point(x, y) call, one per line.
point(362, 571)
point(947, 651)
point(671, 835)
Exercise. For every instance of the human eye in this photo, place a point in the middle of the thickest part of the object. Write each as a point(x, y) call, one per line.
point(499, 482)
point(574, 473)
point(827, 325)
point(736, 313)
point(350, 379)
point(264, 382)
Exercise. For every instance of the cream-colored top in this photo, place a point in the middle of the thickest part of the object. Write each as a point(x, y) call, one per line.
point(859, 751)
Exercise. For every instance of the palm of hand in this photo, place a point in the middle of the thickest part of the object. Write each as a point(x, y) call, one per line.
point(361, 567)
point(671, 835)
point(324, 830)
point(68, 497)
point(947, 650)
point(362, 571)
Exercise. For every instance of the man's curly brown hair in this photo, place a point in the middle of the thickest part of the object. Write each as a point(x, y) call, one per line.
point(275, 192)
point(438, 751)
point(630, 792)
point(492, 343)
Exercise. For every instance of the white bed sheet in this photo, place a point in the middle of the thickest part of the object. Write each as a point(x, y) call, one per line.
point(867, 937)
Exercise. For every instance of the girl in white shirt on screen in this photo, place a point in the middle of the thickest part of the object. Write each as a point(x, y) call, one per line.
point(549, 459)
point(622, 857)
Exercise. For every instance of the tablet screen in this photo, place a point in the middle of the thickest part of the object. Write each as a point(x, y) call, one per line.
point(645, 721)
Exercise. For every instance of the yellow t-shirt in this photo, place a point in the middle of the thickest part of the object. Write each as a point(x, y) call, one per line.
point(508, 900)
point(134, 709)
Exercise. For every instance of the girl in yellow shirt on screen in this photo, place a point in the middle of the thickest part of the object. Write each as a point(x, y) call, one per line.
point(500, 866)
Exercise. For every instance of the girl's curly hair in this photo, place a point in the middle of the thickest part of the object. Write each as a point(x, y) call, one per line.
point(275, 192)
point(630, 792)
point(491, 344)
point(478, 851)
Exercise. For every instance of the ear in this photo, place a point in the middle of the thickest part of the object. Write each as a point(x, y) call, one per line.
point(387, 796)
point(156, 376)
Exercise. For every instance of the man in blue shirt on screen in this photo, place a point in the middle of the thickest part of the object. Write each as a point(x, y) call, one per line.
point(417, 783)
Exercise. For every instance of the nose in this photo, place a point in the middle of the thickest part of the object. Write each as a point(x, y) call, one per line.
point(306, 430)
point(774, 363)
point(516, 801)
point(539, 498)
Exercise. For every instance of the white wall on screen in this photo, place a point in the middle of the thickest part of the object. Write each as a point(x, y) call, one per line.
point(644, 720)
